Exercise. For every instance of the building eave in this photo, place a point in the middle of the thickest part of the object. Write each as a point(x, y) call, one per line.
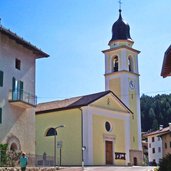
point(121, 47)
point(38, 52)
point(166, 67)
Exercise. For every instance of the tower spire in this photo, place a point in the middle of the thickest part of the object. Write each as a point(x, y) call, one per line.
point(120, 29)
point(120, 6)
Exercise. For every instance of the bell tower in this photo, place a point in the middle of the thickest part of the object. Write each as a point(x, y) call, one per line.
point(122, 77)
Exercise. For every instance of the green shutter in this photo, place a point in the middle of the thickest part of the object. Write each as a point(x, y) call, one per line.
point(13, 84)
point(1, 78)
point(0, 115)
point(21, 89)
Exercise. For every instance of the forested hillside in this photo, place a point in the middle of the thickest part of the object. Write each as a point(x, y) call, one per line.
point(155, 111)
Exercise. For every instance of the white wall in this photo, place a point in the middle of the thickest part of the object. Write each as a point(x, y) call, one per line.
point(156, 144)
point(17, 123)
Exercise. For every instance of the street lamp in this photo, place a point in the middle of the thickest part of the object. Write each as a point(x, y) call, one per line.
point(53, 132)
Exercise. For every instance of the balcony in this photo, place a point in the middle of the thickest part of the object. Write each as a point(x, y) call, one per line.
point(22, 99)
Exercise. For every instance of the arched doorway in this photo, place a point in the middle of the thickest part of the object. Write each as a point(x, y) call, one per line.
point(13, 147)
point(135, 161)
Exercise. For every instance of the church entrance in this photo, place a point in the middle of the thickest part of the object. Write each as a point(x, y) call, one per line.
point(109, 152)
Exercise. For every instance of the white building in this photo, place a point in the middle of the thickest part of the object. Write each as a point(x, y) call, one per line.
point(155, 147)
point(17, 91)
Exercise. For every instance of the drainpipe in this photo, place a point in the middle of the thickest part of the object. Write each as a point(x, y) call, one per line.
point(82, 147)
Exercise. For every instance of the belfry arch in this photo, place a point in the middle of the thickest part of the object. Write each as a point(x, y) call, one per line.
point(115, 64)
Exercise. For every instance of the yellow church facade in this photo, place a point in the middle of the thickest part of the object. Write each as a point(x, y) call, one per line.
point(98, 122)
point(102, 128)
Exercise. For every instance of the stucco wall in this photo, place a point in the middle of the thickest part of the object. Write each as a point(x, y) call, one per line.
point(70, 135)
point(166, 140)
point(100, 135)
point(17, 123)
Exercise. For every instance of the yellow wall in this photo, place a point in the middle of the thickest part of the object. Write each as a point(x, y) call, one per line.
point(166, 139)
point(109, 103)
point(99, 131)
point(115, 86)
point(133, 120)
point(70, 135)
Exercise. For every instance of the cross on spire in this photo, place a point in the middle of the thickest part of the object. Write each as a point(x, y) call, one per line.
point(120, 4)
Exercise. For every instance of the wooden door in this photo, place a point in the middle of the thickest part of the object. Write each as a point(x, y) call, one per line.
point(109, 152)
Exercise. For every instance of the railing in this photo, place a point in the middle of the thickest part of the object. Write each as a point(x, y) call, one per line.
point(44, 160)
point(22, 96)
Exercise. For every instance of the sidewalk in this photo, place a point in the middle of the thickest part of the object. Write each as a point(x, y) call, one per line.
point(109, 168)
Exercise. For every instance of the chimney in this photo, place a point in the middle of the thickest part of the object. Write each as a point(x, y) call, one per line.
point(161, 127)
point(169, 126)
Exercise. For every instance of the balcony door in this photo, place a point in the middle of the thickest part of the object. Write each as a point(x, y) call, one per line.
point(17, 89)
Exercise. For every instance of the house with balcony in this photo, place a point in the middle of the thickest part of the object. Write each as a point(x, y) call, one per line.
point(17, 91)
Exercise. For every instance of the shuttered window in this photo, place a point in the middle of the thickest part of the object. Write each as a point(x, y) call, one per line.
point(0, 115)
point(1, 78)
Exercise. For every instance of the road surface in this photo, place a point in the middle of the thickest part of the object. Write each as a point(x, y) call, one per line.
point(109, 168)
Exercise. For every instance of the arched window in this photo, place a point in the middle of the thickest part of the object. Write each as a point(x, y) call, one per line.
point(115, 64)
point(51, 132)
point(130, 64)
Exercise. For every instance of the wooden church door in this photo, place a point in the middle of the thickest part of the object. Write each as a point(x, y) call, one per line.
point(109, 152)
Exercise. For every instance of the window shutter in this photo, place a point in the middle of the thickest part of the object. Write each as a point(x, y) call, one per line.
point(21, 91)
point(0, 115)
point(1, 78)
point(13, 84)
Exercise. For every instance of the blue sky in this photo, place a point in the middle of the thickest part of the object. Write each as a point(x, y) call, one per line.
point(74, 32)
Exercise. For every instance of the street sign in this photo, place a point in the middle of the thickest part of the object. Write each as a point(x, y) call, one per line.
point(59, 144)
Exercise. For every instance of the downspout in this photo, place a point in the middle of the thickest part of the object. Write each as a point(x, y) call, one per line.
point(82, 134)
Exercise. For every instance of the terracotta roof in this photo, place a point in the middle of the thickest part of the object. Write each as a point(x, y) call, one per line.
point(39, 53)
point(158, 132)
point(74, 102)
point(166, 67)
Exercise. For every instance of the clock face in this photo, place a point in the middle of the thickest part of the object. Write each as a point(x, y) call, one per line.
point(132, 84)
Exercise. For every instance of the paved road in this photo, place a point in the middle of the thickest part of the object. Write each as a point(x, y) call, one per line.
point(134, 168)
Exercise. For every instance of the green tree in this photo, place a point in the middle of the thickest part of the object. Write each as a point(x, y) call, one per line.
point(155, 111)
point(155, 125)
point(165, 163)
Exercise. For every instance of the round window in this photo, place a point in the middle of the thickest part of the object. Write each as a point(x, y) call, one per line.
point(108, 126)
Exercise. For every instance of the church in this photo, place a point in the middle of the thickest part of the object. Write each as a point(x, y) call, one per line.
point(103, 128)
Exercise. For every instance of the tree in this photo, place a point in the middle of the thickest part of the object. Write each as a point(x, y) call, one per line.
point(155, 111)
point(165, 163)
point(155, 125)
point(8, 158)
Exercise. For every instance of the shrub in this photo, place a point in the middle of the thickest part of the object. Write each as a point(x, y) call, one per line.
point(3, 154)
point(165, 163)
point(8, 158)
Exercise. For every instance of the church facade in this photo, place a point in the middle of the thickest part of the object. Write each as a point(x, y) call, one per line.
point(102, 128)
